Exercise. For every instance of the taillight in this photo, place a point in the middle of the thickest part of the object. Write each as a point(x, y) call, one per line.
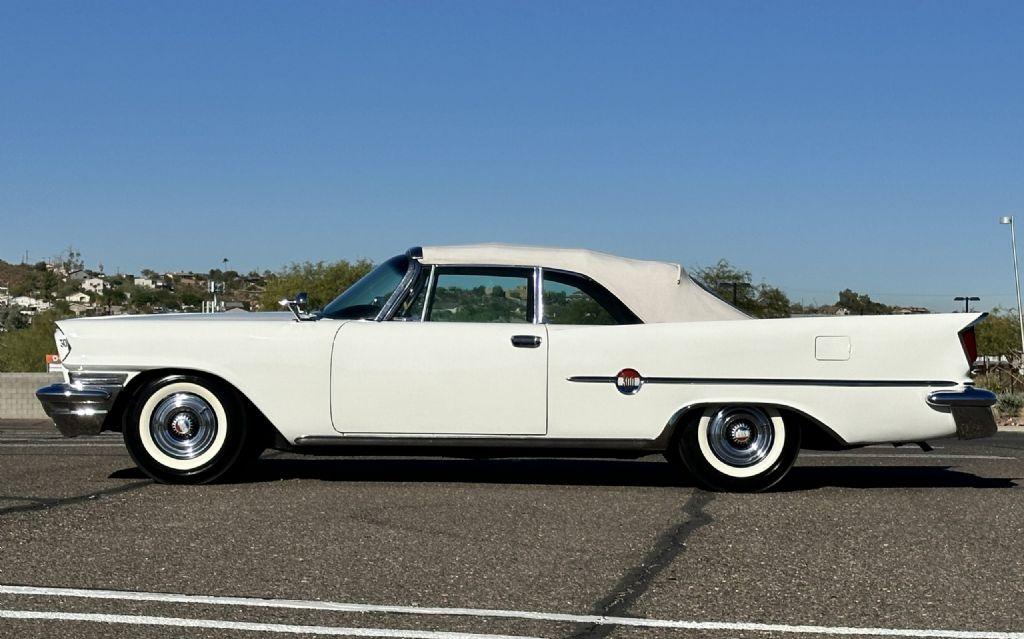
point(969, 344)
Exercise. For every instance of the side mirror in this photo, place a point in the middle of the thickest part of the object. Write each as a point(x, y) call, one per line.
point(295, 306)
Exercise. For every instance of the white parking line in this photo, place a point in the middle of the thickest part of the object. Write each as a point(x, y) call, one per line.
point(505, 614)
point(56, 438)
point(922, 455)
point(143, 620)
point(60, 444)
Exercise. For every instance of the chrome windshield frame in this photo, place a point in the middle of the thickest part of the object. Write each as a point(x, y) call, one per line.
point(411, 275)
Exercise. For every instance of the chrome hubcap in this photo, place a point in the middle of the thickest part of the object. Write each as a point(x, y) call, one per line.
point(183, 425)
point(741, 436)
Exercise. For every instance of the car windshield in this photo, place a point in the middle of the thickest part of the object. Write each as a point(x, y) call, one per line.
point(365, 298)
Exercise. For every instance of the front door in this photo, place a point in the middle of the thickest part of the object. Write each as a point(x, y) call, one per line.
point(474, 365)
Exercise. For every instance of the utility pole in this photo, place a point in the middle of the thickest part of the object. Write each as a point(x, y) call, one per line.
point(966, 299)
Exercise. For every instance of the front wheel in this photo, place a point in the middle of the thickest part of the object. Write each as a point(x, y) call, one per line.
point(183, 429)
point(738, 448)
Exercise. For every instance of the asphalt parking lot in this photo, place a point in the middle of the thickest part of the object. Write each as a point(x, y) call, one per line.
point(875, 542)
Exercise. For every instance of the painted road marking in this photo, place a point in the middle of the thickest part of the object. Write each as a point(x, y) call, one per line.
point(178, 622)
point(907, 456)
point(59, 444)
point(44, 437)
point(505, 614)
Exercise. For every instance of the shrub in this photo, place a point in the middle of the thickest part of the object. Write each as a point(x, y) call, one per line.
point(25, 349)
point(1010, 404)
point(321, 280)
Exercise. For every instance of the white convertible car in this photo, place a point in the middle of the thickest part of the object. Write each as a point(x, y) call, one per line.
point(495, 350)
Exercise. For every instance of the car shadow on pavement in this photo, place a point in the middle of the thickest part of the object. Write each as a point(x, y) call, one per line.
point(586, 472)
point(803, 478)
point(569, 472)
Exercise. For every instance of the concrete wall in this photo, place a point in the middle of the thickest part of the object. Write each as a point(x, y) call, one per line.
point(18, 394)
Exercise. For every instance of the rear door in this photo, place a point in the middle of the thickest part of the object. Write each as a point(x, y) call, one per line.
point(467, 359)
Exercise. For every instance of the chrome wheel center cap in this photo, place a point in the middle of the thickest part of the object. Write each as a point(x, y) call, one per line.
point(181, 425)
point(741, 433)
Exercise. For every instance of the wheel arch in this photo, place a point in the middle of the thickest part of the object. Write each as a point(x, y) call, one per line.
point(254, 417)
point(815, 435)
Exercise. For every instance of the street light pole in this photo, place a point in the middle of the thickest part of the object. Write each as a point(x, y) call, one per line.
point(1008, 219)
point(966, 299)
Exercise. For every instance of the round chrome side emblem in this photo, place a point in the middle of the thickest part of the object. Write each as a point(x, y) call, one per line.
point(628, 381)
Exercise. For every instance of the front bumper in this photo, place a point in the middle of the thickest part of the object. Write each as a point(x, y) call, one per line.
point(971, 408)
point(78, 409)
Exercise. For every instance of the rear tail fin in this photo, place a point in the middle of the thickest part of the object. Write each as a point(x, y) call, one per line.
point(969, 342)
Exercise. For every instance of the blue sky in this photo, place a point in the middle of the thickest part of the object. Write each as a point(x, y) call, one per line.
point(821, 145)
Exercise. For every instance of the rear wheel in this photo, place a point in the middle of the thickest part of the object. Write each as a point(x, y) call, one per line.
point(184, 429)
point(737, 448)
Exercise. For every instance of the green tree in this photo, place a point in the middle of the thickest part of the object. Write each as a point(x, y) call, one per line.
point(758, 300)
point(11, 318)
point(191, 297)
point(48, 283)
point(70, 259)
point(999, 333)
point(112, 297)
point(772, 302)
point(861, 304)
point(321, 280)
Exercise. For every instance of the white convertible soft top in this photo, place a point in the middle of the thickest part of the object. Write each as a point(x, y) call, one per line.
point(655, 291)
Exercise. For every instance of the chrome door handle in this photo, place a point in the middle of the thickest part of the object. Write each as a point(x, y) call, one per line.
point(525, 341)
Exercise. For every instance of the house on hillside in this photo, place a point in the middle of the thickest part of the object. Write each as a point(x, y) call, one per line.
point(78, 298)
point(834, 310)
point(144, 282)
point(30, 305)
point(95, 285)
point(186, 278)
point(910, 310)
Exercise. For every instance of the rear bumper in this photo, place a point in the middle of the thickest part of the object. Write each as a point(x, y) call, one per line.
point(971, 409)
point(76, 409)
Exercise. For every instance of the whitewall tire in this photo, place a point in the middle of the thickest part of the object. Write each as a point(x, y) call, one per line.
point(185, 429)
point(740, 448)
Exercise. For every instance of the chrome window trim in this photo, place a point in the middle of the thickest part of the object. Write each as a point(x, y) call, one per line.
point(533, 282)
point(428, 296)
point(538, 295)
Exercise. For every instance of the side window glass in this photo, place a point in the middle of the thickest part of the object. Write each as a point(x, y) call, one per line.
point(569, 299)
point(482, 295)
